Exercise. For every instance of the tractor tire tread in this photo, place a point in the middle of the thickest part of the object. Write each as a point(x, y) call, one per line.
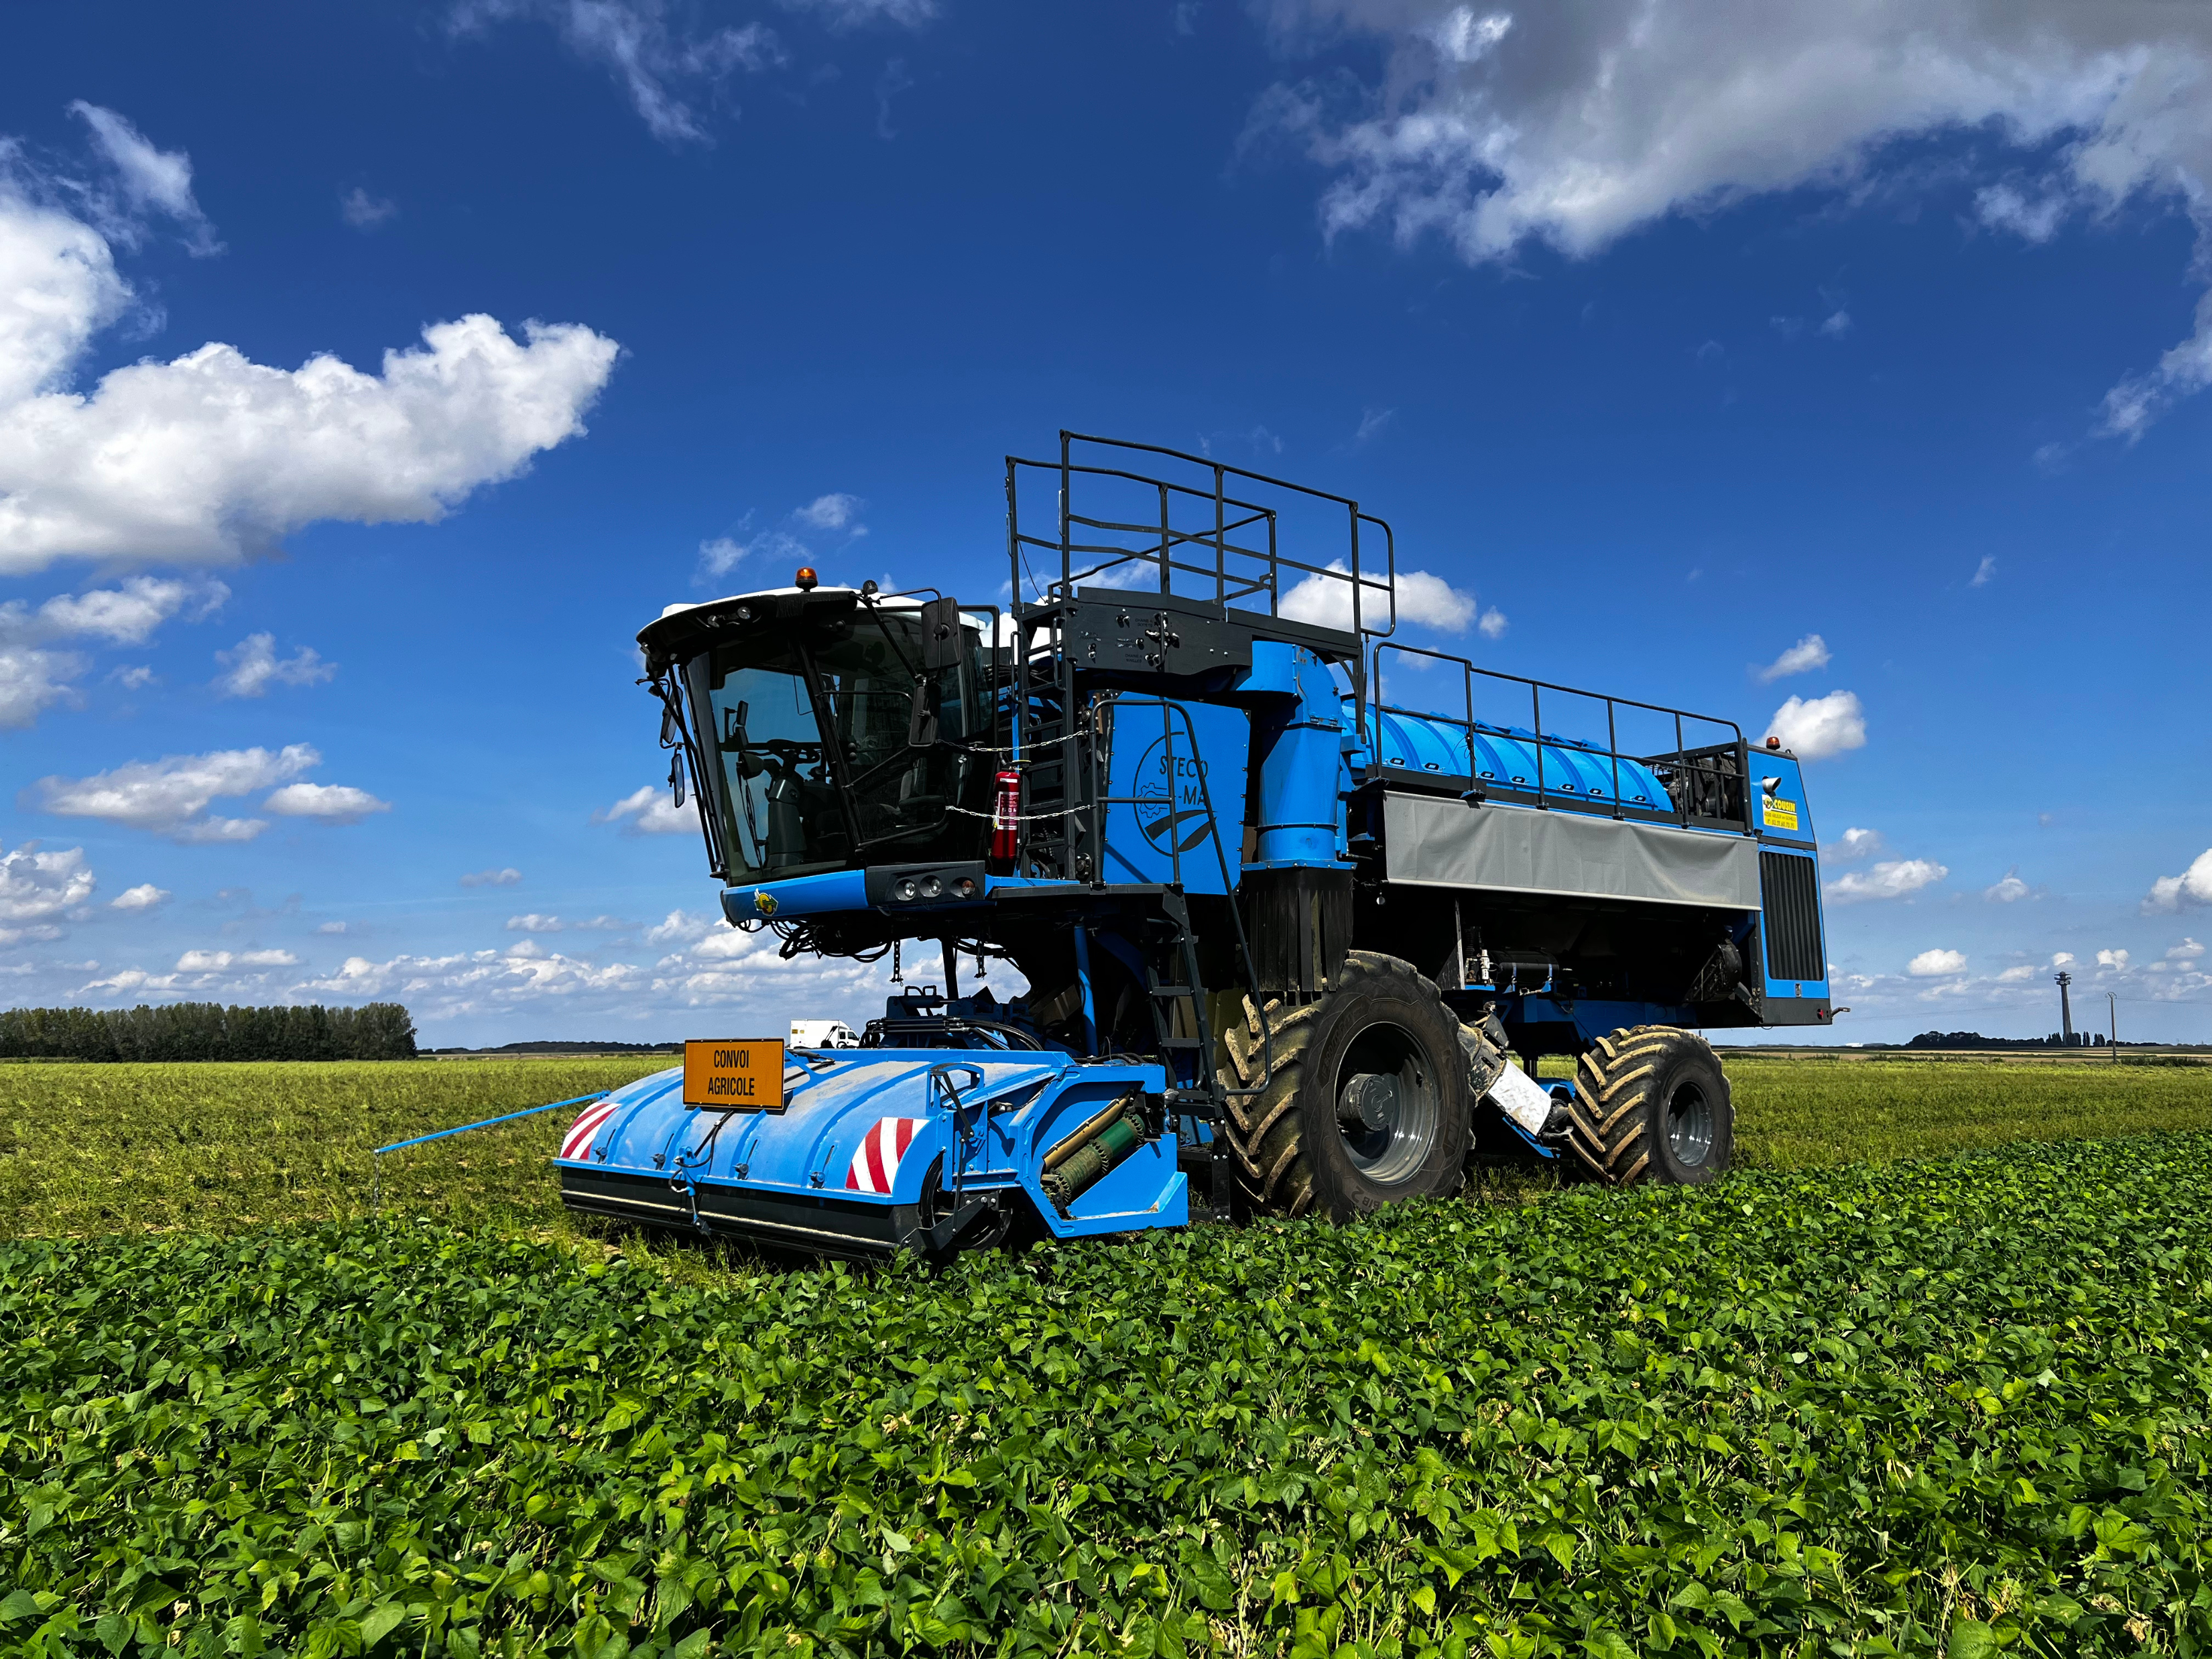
point(1264, 1130)
point(1610, 1122)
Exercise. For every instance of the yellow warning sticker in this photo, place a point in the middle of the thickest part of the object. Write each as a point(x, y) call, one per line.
point(742, 1075)
point(1781, 812)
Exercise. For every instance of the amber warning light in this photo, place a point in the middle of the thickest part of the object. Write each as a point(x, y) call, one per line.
point(734, 1075)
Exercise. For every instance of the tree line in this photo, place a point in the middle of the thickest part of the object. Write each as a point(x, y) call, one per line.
point(208, 1030)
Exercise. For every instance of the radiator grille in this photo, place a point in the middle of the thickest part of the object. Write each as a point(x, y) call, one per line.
point(1792, 888)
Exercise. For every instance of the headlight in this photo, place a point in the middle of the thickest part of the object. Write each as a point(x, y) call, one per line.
point(931, 887)
point(964, 887)
point(905, 890)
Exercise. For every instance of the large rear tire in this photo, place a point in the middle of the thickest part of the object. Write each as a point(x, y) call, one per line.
point(1368, 1102)
point(1652, 1104)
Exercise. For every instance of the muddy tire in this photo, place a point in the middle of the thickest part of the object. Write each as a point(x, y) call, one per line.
point(1368, 1103)
point(1652, 1104)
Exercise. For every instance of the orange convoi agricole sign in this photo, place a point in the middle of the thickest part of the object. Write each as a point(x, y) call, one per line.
point(737, 1074)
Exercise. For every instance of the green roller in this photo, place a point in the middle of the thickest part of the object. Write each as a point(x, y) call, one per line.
point(1098, 1147)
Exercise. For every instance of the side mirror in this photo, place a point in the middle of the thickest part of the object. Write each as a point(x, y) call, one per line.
point(940, 634)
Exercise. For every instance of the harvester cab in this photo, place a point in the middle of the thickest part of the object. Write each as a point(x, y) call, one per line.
point(1292, 942)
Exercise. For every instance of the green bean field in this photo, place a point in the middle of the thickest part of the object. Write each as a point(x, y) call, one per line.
point(1931, 1373)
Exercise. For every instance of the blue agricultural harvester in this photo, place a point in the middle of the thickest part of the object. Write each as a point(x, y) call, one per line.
point(1294, 943)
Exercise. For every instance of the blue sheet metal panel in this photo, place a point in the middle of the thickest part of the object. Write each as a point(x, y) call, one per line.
point(1782, 810)
point(827, 894)
point(1172, 787)
point(832, 1109)
point(1146, 1190)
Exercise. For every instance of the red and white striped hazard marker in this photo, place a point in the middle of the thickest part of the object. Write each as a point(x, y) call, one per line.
point(875, 1166)
point(578, 1142)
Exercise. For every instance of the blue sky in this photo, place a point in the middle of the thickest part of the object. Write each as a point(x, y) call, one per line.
point(1753, 358)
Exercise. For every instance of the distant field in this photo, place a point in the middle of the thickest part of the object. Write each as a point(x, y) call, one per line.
point(219, 1148)
point(1793, 1112)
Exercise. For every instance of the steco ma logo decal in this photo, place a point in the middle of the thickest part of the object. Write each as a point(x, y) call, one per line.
point(1171, 798)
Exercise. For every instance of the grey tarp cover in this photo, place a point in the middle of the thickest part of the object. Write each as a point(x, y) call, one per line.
point(1446, 843)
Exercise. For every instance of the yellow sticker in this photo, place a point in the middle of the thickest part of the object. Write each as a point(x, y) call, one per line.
point(737, 1074)
point(1781, 812)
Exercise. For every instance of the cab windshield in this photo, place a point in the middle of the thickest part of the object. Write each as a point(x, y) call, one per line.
point(819, 757)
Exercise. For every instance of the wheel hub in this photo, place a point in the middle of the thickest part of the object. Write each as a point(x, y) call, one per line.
point(1389, 1104)
point(1689, 1125)
point(1370, 1100)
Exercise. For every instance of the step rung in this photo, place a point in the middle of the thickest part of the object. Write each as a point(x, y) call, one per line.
point(1171, 990)
point(1181, 1042)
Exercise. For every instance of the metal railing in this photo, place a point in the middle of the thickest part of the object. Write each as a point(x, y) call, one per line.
point(1191, 520)
point(1687, 762)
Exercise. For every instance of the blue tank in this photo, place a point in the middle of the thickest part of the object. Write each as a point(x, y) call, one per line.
point(1507, 758)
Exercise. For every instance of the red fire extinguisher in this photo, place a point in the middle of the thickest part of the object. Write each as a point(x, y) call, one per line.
point(1005, 821)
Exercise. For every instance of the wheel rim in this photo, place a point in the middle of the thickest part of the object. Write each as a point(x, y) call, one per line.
point(1689, 1125)
point(1388, 1107)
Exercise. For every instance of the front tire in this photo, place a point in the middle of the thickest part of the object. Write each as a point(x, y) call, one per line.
point(1652, 1104)
point(1368, 1102)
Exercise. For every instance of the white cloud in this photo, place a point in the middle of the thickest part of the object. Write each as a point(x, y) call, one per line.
point(721, 556)
point(1856, 844)
point(364, 212)
point(505, 878)
point(681, 926)
point(661, 70)
point(143, 896)
point(1809, 654)
point(331, 927)
point(38, 890)
point(1818, 728)
point(212, 458)
point(1930, 963)
point(1371, 422)
point(252, 666)
point(33, 681)
point(1838, 325)
point(34, 674)
point(215, 962)
point(850, 14)
point(450, 986)
point(2192, 886)
point(327, 803)
point(146, 181)
point(533, 923)
point(2115, 961)
point(834, 512)
point(1983, 571)
point(602, 925)
point(126, 614)
point(2061, 959)
point(652, 812)
point(2017, 975)
point(1581, 123)
point(171, 796)
point(1326, 601)
point(135, 678)
point(1892, 878)
point(2188, 951)
point(2009, 890)
point(1491, 624)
